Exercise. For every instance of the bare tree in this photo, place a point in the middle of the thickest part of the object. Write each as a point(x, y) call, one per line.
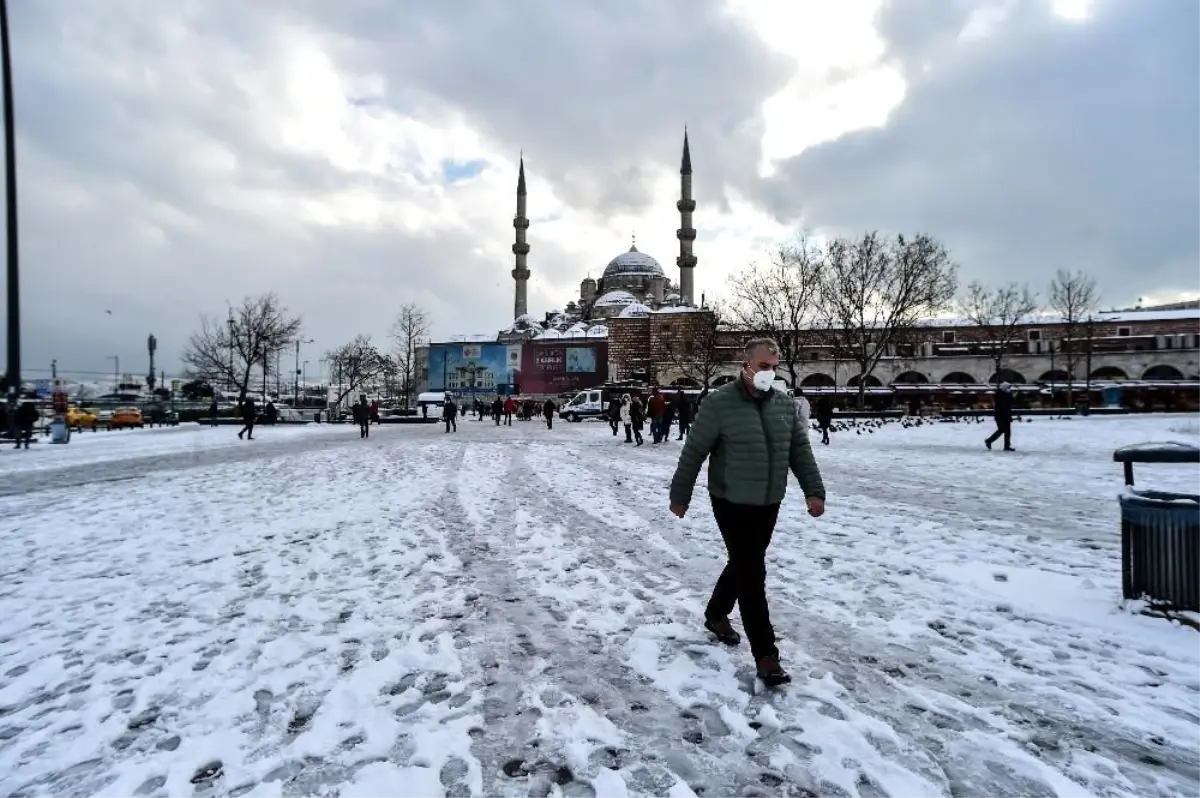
point(357, 364)
point(409, 331)
point(699, 357)
point(779, 300)
point(998, 314)
point(875, 292)
point(1073, 297)
point(225, 351)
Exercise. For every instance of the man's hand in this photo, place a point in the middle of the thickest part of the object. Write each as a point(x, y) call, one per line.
point(816, 506)
point(679, 509)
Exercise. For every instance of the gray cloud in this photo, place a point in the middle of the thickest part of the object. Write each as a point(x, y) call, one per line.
point(151, 188)
point(140, 177)
point(1046, 145)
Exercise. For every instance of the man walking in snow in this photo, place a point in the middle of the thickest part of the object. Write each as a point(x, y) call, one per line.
point(751, 436)
point(548, 411)
point(249, 416)
point(450, 413)
point(1003, 414)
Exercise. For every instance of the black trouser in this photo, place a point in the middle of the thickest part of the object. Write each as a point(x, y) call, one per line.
point(24, 435)
point(825, 434)
point(684, 426)
point(1003, 427)
point(212, 420)
point(508, 419)
point(549, 422)
point(613, 423)
point(747, 530)
point(247, 430)
point(364, 429)
point(451, 423)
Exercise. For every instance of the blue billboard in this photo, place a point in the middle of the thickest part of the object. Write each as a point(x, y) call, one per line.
point(474, 370)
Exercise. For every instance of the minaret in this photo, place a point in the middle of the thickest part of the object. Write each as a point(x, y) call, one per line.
point(521, 249)
point(686, 233)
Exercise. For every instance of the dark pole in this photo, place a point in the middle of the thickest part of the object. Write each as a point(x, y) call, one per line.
point(10, 195)
point(296, 379)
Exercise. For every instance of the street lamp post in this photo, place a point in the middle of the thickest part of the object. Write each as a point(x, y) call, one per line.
point(116, 359)
point(304, 369)
point(296, 388)
point(232, 334)
point(10, 195)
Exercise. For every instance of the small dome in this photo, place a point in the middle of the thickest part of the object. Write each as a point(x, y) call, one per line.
point(633, 263)
point(672, 297)
point(548, 334)
point(635, 311)
point(599, 331)
point(575, 332)
point(615, 298)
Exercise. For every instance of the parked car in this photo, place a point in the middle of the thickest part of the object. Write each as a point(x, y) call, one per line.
point(126, 418)
point(80, 419)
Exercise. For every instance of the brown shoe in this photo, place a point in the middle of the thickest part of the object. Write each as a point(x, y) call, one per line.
point(771, 672)
point(723, 630)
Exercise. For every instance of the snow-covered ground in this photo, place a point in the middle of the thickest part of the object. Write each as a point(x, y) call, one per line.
point(513, 611)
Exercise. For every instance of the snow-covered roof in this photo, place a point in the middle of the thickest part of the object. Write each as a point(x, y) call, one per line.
point(635, 310)
point(575, 332)
point(548, 334)
point(471, 338)
point(615, 298)
point(681, 309)
point(599, 331)
point(1050, 319)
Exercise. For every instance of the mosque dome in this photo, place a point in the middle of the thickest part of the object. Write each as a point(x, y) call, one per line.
point(633, 264)
point(635, 311)
point(549, 334)
point(615, 299)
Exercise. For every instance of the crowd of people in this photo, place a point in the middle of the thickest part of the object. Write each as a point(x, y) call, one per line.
point(501, 410)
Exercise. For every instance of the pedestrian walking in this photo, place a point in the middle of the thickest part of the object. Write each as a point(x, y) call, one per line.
point(614, 415)
point(637, 417)
point(656, 408)
point(683, 412)
point(450, 413)
point(825, 417)
point(510, 409)
point(548, 410)
point(362, 415)
point(249, 417)
point(213, 409)
point(1002, 412)
point(27, 418)
point(751, 436)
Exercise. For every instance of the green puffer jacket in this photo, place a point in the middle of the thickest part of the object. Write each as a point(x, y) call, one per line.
point(751, 443)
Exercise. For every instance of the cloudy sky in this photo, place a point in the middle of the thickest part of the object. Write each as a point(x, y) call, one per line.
point(355, 155)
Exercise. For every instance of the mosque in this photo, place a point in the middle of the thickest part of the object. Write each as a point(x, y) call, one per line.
point(633, 284)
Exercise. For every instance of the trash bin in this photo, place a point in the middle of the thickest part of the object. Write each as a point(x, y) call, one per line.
point(1160, 533)
point(59, 431)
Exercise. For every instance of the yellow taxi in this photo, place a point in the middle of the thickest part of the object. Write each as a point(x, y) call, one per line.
point(79, 418)
point(126, 418)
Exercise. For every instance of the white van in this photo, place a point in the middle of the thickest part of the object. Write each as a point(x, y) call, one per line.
point(585, 404)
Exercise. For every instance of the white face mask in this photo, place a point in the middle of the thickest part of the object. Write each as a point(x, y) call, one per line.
point(763, 380)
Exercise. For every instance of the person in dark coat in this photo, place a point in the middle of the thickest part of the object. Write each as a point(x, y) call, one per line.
point(249, 416)
point(213, 409)
point(450, 413)
point(548, 410)
point(498, 410)
point(824, 417)
point(1003, 414)
point(637, 417)
point(271, 413)
point(683, 411)
point(362, 415)
point(27, 417)
point(656, 409)
point(614, 414)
